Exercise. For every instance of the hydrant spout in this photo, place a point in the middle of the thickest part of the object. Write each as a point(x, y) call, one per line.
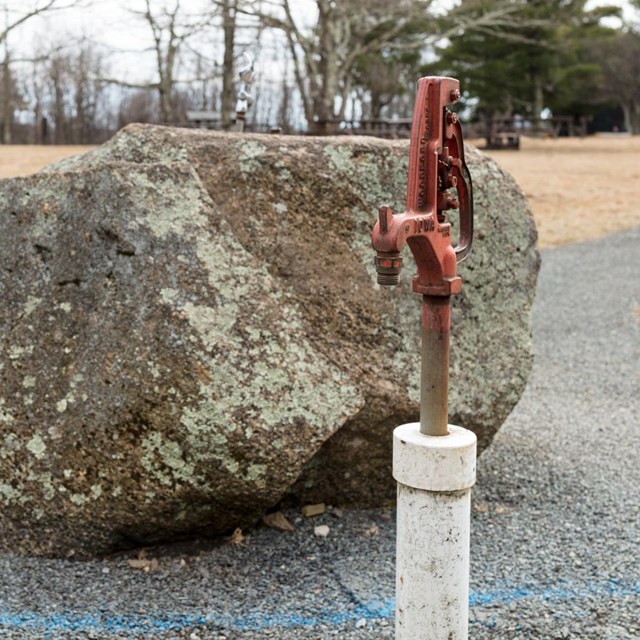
point(428, 241)
point(388, 242)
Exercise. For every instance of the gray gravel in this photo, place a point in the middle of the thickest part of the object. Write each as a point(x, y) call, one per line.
point(555, 542)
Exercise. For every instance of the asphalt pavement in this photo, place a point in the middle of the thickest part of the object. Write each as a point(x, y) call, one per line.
point(555, 522)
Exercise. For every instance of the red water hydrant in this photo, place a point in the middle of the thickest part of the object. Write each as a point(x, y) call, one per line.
point(434, 463)
point(438, 182)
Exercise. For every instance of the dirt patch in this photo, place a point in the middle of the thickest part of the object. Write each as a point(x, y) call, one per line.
point(578, 188)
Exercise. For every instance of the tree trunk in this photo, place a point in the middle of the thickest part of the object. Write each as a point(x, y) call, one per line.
point(538, 96)
point(59, 124)
point(489, 133)
point(376, 105)
point(632, 117)
point(324, 114)
point(166, 108)
point(39, 126)
point(7, 106)
point(228, 85)
point(284, 121)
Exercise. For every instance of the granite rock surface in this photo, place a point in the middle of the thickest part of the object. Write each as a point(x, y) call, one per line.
point(191, 332)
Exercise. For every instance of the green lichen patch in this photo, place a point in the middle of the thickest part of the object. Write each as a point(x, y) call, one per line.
point(37, 446)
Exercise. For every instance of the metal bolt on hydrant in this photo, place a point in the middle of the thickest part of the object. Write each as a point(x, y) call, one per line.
point(434, 463)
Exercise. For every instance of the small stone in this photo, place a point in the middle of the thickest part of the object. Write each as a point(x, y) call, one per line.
point(361, 623)
point(311, 510)
point(321, 531)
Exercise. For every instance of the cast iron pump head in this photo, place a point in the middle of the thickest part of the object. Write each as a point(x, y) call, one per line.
point(436, 165)
point(436, 168)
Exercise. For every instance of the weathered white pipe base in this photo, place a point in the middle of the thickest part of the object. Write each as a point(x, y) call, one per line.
point(435, 475)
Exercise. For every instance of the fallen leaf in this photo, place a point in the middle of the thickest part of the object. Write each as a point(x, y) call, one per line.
point(278, 521)
point(236, 537)
point(153, 565)
point(143, 564)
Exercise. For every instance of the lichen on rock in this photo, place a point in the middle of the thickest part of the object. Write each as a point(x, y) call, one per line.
point(191, 332)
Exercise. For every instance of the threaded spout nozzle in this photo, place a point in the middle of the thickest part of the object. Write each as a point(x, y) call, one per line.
point(388, 267)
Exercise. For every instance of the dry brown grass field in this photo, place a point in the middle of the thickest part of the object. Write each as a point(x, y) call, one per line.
point(578, 188)
point(22, 160)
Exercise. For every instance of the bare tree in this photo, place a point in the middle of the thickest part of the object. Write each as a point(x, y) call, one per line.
point(139, 105)
point(74, 99)
point(15, 15)
point(326, 53)
point(230, 13)
point(285, 107)
point(171, 28)
point(8, 97)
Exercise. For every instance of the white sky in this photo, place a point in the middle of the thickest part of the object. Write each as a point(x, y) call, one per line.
point(109, 23)
point(125, 37)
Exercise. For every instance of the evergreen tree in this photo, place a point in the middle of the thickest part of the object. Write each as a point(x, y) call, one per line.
point(531, 62)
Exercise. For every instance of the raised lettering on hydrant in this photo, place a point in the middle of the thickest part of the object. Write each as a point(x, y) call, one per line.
point(438, 182)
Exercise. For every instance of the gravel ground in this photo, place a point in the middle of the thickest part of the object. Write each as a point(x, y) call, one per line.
point(555, 541)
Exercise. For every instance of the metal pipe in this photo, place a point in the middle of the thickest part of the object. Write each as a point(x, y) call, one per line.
point(434, 379)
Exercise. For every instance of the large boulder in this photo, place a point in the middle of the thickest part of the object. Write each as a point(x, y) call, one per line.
point(191, 332)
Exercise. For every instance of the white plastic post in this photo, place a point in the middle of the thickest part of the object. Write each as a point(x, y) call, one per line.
point(435, 475)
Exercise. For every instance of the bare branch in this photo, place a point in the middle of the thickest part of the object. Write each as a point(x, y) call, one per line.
point(128, 85)
point(49, 5)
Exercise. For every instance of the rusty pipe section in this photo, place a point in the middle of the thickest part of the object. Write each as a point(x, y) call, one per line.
point(434, 374)
point(438, 181)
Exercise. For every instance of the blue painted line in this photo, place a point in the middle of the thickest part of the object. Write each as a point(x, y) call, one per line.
point(110, 623)
point(610, 588)
point(158, 623)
